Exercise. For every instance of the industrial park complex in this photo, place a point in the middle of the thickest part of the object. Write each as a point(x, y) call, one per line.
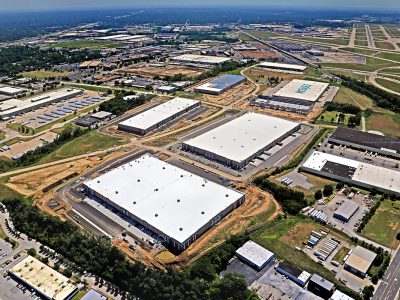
point(232, 147)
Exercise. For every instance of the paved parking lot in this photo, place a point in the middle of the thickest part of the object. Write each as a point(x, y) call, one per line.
point(298, 179)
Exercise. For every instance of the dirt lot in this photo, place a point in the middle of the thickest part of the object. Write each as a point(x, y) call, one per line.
point(262, 74)
point(258, 207)
point(230, 96)
point(170, 70)
point(33, 182)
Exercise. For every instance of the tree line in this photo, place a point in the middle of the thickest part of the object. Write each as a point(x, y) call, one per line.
point(380, 97)
point(17, 59)
point(97, 256)
point(118, 106)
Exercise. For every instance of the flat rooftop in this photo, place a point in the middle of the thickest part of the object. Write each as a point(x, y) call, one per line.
point(206, 59)
point(255, 253)
point(347, 209)
point(327, 285)
point(222, 83)
point(360, 259)
point(338, 295)
point(159, 113)
point(44, 279)
point(242, 137)
point(366, 139)
point(282, 66)
point(9, 90)
point(174, 201)
point(361, 172)
point(303, 90)
point(16, 105)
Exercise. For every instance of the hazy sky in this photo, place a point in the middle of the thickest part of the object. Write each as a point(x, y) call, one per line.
point(59, 4)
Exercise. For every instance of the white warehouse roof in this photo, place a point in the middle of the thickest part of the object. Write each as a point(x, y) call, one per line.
point(255, 254)
point(369, 174)
point(303, 90)
point(9, 90)
point(242, 137)
point(44, 279)
point(338, 295)
point(205, 59)
point(159, 113)
point(172, 200)
point(361, 259)
point(282, 66)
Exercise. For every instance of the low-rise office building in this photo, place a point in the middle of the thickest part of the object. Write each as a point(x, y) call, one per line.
point(254, 255)
point(293, 273)
point(359, 261)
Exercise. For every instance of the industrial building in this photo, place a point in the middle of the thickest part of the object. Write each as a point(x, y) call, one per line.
point(359, 261)
point(281, 67)
point(338, 295)
point(11, 91)
point(297, 96)
point(366, 141)
point(239, 141)
point(254, 255)
point(353, 172)
point(176, 205)
point(221, 84)
point(205, 60)
point(158, 116)
point(346, 210)
point(44, 280)
point(13, 107)
point(293, 273)
point(320, 286)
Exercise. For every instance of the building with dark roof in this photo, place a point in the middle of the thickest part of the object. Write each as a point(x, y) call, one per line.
point(366, 141)
point(221, 84)
point(293, 273)
point(346, 210)
point(320, 286)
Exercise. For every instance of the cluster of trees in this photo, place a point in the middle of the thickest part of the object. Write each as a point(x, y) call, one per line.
point(292, 201)
point(216, 35)
point(33, 156)
point(119, 106)
point(343, 107)
point(17, 59)
point(380, 97)
point(99, 257)
point(369, 215)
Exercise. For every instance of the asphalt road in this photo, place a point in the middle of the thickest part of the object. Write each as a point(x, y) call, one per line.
point(390, 286)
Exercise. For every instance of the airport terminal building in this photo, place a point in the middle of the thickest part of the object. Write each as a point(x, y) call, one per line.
point(297, 96)
point(354, 172)
point(239, 141)
point(176, 205)
point(158, 116)
point(221, 84)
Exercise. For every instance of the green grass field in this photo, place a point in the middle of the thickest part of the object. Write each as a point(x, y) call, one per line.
point(341, 254)
point(2, 135)
point(328, 41)
point(385, 123)
point(372, 64)
point(261, 34)
point(41, 74)
point(393, 86)
point(385, 224)
point(360, 51)
point(327, 116)
point(89, 142)
point(346, 95)
point(85, 44)
point(384, 45)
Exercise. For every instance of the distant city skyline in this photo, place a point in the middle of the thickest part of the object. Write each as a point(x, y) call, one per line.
point(94, 4)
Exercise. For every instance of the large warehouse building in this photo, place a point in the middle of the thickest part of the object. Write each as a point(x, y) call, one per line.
point(353, 172)
point(173, 203)
point(205, 60)
point(15, 107)
point(366, 141)
point(297, 96)
point(44, 280)
point(158, 116)
point(239, 141)
point(281, 67)
point(359, 261)
point(221, 84)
